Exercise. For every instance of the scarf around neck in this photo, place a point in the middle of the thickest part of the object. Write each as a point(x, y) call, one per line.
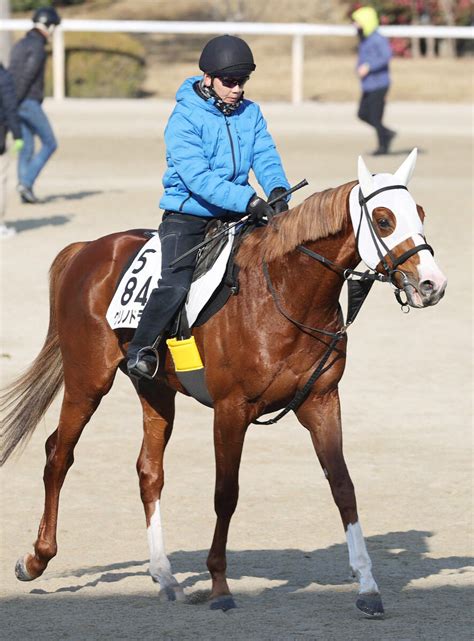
point(208, 93)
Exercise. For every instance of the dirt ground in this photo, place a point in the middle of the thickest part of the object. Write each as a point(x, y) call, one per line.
point(405, 403)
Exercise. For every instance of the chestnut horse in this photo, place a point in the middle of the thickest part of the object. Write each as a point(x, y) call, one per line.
point(256, 357)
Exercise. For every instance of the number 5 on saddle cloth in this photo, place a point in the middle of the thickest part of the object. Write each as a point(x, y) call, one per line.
point(214, 280)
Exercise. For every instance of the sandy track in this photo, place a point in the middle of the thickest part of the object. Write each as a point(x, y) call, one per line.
point(406, 415)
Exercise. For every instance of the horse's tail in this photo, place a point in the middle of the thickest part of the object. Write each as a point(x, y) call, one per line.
point(26, 399)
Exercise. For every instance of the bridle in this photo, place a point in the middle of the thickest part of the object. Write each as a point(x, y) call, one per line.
point(378, 242)
point(372, 275)
point(359, 285)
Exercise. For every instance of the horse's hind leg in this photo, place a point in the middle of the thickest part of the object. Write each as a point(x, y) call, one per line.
point(322, 417)
point(79, 403)
point(158, 416)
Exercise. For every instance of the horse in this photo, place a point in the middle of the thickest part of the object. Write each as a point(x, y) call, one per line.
point(259, 351)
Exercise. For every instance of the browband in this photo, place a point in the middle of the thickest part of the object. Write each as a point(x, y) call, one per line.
point(364, 199)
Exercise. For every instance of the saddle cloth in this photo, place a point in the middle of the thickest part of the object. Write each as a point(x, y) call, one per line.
point(142, 277)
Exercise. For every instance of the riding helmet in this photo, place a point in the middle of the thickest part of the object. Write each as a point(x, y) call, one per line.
point(227, 56)
point(46, 16)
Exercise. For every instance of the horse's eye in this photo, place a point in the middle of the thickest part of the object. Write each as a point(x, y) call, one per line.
point(384, 223)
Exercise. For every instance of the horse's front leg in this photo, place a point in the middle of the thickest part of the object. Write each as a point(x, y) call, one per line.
point(158, 417)
point(321, 415)
point(229, 434)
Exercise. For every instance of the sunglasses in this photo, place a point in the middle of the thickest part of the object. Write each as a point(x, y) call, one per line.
point(232, 82)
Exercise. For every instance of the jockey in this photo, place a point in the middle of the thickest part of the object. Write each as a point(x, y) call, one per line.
point(214, 137)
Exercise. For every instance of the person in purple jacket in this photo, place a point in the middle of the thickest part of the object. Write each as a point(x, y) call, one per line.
point(373, 70)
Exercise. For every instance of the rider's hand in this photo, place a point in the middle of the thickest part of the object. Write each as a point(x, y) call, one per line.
point(280, 205)
point(18, 144)
point(258, 210)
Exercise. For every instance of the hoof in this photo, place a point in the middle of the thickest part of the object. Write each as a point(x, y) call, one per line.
point(171, 593)
point(370, 605)
point(21, 572)
point(223, 603)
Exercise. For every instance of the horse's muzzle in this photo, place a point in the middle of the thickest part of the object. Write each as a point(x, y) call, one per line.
point(425, 293)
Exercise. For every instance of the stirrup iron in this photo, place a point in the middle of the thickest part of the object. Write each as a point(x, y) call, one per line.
point(139, 373)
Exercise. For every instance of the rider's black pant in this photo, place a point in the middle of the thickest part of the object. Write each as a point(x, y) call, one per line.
point(178, 233)
point(371, 108)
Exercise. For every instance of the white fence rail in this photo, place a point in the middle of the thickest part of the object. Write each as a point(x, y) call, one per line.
point(296, 30)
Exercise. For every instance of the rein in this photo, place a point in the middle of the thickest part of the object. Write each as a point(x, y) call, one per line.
point(358, 291)
point(359, 285)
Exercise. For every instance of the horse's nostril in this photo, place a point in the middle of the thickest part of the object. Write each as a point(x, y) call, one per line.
point(427, 287)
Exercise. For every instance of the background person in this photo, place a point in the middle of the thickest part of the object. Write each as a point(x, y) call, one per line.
point(9, 120)
point(27, 65)
point(373, 69)
point(214, 137)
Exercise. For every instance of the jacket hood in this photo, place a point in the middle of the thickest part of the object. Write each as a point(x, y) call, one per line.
point(189, 98)
point(366, 18)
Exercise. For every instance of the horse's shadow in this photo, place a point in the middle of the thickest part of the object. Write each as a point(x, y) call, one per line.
point(398, 558)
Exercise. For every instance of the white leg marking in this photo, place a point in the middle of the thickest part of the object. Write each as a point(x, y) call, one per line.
point(359, 559)
point(160, 568)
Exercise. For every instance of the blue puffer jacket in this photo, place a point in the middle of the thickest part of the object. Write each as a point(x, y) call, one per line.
point(375, 50)
point(210, 155)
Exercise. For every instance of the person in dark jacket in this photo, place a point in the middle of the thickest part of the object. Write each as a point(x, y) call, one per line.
point(214, 137)
point(9, 121)
point(373, 70)
point(27, 66)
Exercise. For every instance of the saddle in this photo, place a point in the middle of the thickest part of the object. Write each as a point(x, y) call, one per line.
point(229, 286)
point(215, 279)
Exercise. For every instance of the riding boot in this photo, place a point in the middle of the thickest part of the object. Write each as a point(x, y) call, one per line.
point(159, 312)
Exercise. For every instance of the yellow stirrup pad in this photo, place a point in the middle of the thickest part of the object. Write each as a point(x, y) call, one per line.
point(185, 354)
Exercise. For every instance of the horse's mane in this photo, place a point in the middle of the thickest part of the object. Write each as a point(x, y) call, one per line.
point(319, 216)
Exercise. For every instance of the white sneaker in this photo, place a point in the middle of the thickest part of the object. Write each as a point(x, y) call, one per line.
point(6, 232)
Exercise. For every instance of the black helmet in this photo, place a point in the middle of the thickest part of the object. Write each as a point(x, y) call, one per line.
point(227, 56)
point(47, 16)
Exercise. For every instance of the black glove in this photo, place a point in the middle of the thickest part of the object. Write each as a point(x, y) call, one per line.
point(259, 210)
point(280, 205)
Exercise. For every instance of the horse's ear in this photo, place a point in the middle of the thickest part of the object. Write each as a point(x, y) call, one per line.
point(405, 171)
point(366, 181)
